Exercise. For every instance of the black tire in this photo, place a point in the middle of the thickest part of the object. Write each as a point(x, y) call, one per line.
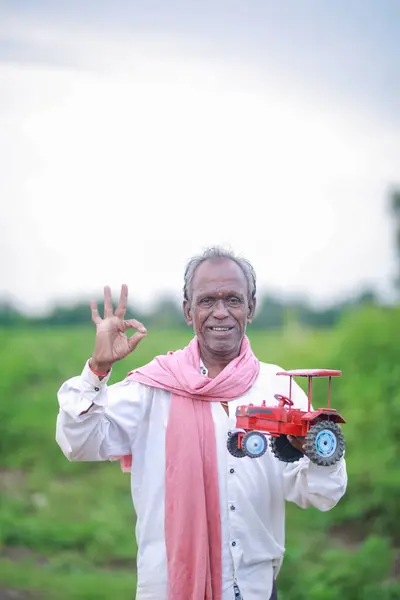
point(324, 444)
point(254, 444)
point(232, 445)
point(284, 450)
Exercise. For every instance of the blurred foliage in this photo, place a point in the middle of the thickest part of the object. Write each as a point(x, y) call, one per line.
point(271, 313)
point(394, 204)
point(67, 529)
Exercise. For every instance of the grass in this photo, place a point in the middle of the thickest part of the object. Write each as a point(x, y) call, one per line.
point(67, 529)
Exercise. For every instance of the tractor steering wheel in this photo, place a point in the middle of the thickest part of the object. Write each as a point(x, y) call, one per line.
point(284, 400)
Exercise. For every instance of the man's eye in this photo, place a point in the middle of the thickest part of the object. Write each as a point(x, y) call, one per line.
point(233, 300)
point(206, 301)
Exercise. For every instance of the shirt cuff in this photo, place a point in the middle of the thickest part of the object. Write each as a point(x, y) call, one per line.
point(92, 386)
point(320, 469)
point(318, 473)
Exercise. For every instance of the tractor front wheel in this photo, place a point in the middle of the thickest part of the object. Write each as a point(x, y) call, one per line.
point(254, 444)
point(284, 450)
point(324, 443)
point(233, 445)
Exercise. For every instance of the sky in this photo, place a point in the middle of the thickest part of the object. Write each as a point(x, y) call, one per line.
point(133, 135)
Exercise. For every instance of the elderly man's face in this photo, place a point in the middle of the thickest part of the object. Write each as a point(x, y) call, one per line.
point(219, 309)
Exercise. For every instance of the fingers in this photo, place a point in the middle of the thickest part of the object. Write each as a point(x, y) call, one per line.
point(123, 299)
point(134, 340)
point(119, 312)
point(108, 307)
point(95, 313)
point(137, 337)
point(299, 444)
point(133, 324)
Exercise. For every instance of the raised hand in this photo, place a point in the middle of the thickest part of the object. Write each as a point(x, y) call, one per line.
point(112, 343)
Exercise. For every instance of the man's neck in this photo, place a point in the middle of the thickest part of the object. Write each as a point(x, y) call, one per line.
point(215, 365)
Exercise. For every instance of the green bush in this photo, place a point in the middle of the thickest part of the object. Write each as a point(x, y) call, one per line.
point(368, 348)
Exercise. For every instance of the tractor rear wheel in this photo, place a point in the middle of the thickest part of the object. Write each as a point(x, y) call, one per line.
point(324, 444)
point(233, 445)
point(284, 450)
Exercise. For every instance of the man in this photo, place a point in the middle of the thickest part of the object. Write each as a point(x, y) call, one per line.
point(209, 526)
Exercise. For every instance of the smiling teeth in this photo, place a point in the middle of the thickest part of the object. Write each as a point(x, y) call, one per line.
point(220, 328)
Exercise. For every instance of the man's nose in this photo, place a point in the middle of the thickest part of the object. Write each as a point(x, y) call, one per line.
point(220, 310)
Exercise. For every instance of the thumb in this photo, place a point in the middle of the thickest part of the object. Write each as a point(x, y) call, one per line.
point(132, 324)
point(135, 339)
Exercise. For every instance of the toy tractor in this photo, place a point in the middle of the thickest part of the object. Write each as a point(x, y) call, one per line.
point(324, 441)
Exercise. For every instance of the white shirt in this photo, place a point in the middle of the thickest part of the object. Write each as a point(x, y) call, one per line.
point(131, 418)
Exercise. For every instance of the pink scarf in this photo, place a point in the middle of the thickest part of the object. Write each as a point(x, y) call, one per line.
point(192, 514)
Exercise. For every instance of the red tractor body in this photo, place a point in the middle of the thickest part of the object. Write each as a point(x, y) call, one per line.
point(325, 442)
point(279, 420)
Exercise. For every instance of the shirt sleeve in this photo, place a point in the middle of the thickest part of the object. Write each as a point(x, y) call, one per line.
point(97, 421)
point(307, 484)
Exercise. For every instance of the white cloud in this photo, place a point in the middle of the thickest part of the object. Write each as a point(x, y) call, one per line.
point(120, 174)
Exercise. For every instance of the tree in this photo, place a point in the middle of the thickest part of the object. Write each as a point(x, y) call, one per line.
point(395, 209)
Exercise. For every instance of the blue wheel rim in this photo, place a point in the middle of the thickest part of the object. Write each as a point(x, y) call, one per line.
point(255, 444)
point(325, 443)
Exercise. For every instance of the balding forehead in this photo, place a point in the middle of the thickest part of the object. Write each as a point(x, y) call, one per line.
point(219, 273)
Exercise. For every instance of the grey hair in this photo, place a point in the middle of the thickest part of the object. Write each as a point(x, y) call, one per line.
point(213, 253)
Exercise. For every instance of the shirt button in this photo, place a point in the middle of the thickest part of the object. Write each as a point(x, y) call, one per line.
point(231, 470)
point(233, 543)
point(233, 507)
point(96, 389)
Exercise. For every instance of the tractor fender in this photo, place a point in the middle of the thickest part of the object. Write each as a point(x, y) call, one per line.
point(236, 430)
point(323, 414)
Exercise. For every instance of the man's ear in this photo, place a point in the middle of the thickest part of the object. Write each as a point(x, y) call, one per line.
point(251, 310)
point(187, 313)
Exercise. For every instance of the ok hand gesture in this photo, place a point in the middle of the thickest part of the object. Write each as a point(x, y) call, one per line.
point(111, 343)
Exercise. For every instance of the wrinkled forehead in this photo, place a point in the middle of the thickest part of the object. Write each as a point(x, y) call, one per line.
point(219, 277)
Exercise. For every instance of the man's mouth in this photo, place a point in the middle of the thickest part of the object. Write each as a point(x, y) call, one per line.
point(220, 329)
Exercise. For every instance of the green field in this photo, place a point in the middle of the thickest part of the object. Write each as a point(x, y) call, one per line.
point(67, 529)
